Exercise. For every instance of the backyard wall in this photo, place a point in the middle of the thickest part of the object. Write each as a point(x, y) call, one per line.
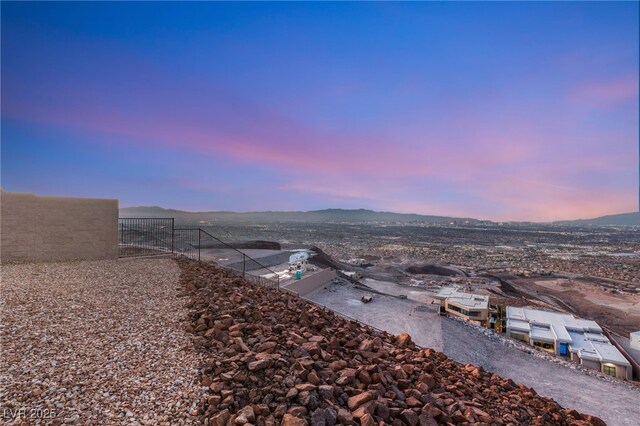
point(57, 228)
point(311, 283)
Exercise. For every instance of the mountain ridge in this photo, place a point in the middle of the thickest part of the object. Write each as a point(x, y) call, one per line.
point(323, 215)
point(354, 215)
point(632, 218)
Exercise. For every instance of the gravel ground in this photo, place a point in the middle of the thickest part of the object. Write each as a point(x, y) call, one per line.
point(96, 342)
point(393, 315)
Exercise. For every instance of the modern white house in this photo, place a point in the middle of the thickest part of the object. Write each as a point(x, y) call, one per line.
point(634, 340)
point(469, 306)
point(563, 334)
point(298, 261)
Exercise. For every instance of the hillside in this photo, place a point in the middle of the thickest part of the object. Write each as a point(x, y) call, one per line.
point(613, 219)
point(273, 358)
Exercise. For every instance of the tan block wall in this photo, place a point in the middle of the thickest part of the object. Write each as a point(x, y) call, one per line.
point(311, 283)
point(57, 228)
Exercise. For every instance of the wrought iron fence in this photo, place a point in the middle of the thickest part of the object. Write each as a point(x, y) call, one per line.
point(209, 248)
point(149, 236)
point(155, 236)
point(145, 236)
point(186, 242)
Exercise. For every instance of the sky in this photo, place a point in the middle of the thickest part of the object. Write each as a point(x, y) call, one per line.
point(501, 111)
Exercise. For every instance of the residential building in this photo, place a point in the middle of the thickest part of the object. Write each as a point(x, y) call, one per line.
point(298, 261)
point(469, 306)
point(562, 334)
point(352, 275)
point(634, 340)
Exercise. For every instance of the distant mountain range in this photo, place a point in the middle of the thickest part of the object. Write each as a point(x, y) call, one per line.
point(344, 215)
point(613, 219)
point(314, 216)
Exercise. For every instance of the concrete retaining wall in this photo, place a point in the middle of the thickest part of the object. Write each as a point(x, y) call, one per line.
point(591, 364)
point(57, 228)
point(311, 283)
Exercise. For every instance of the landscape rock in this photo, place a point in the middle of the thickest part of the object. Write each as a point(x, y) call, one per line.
point(403, 340)
point(359, 399)
point(291, 420)
point(327, 370)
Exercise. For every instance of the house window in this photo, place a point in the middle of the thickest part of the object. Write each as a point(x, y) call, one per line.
point(544, 345)
point(456, 309)
point(519, 336)
point(609, 369)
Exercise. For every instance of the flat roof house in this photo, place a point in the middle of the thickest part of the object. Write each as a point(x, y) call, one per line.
point(565, 335)
point(298, 261)
point(469, 306)
point(634, 340)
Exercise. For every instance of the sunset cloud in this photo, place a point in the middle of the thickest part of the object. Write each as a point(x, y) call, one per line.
point(227, 111)
point(607, 93)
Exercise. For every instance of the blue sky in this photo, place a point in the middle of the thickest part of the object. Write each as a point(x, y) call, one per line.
point(522, 111)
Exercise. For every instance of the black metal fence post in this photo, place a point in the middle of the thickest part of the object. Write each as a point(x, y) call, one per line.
point(173, 233)
point(244, 264)
point(199, 242)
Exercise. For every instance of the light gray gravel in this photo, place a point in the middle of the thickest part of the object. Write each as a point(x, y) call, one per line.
point(96, 342)
point(386, 313)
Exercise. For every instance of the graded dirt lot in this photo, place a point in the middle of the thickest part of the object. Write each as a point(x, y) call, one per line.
point(394, 315)
point(96, 342)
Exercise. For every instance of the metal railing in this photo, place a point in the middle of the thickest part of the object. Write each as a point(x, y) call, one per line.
point(209, 248)
point(148, 236)
point(157, 236)
point(145, 236)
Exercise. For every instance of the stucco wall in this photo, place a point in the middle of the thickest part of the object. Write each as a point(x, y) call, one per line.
point(634, 340)
point(310, 283)
point(57, 228)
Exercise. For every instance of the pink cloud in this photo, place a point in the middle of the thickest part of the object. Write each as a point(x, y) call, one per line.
point(506, 169)
point(602, 94)
point(534, 199)
point(280, 143)
point(346, 167)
